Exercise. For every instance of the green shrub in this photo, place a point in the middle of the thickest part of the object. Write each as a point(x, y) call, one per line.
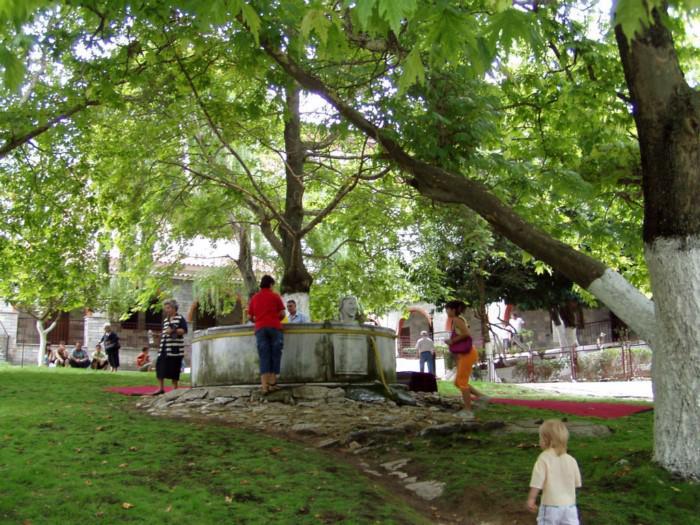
point(544, 369)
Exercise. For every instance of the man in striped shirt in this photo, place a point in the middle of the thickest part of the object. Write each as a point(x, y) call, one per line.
point(172, 346)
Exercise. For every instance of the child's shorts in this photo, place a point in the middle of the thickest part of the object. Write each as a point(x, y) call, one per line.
point(557, 515)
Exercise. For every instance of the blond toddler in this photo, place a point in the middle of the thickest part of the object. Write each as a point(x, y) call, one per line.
point(557, 475)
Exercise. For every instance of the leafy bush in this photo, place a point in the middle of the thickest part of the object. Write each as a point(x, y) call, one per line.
point(544, 369)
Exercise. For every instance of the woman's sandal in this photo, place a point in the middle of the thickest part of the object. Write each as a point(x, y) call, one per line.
point(274, 387)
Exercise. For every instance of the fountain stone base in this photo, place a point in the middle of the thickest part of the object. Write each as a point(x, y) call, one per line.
point(313, 353)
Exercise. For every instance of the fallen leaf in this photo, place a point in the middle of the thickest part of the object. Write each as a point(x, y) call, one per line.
point(676, 489)
point(228, 499)
point(78, 450)
point(99, 429)
point(245, 482)
point(104, 461)
point(99, 514)
point(276, 450)
point(170, 507)
point(27, 522)
point(123, 465)
point(88, 482)
point(133, 449)
point(127, 506)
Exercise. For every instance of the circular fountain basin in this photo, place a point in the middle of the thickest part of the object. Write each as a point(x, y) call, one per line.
point(313, 353)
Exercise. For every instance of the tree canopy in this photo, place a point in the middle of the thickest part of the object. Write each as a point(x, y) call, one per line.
point(519, 111)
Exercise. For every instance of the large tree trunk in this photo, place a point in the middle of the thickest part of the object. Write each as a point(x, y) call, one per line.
point(667, 114)
point(296, 278)
point(244, 261)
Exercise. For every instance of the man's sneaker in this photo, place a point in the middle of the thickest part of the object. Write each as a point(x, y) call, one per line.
point(466, 415)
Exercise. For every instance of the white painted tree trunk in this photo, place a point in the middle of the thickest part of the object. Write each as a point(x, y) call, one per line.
point(43, 333)
point(674, 267)
point(565, 335)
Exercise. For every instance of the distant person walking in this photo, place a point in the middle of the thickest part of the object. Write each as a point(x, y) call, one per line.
point(557, 475)
point(111, 345)
point(172, 346)
point(462, 348)
point(266, 310)
point(426, 352)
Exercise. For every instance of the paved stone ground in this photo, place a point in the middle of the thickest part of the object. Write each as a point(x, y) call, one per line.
point(610, 389)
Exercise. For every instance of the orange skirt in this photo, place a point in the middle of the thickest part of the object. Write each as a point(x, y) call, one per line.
point(465, 364)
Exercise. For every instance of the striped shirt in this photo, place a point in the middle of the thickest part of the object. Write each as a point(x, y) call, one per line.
point(173, 345)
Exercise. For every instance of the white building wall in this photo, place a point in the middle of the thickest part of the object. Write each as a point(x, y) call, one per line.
point(8, 329)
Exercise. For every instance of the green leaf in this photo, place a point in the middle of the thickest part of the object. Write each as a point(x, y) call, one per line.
point(499, 5)
point(510, 26)
point(632, 15)
point(413, 71)
point(252, 20)
point(14, 69)
point(394, 11)
point(364, 12)
point(316, 21)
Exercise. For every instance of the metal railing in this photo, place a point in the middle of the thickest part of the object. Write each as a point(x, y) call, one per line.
point(624, 362)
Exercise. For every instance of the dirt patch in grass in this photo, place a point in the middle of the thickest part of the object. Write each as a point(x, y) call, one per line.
point(475, 506)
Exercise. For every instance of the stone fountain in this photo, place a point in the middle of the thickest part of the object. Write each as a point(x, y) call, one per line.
point(342, 351)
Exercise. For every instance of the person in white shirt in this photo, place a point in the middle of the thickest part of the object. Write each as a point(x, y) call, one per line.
point(557, 475)
point(426, 352)
point(293, 316)
point(516, 324)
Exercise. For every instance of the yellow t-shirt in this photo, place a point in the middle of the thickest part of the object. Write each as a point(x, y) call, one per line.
point(557, 476)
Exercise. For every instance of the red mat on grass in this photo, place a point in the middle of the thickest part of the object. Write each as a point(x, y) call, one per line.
point(136, 390)
point(578, 408)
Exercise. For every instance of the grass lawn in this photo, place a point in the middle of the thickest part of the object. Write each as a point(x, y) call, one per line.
point(621, 484)
point(71, 453)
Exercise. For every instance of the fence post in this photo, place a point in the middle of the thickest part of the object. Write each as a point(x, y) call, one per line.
point(624, 358)
point(628, 347)
point(572, 356)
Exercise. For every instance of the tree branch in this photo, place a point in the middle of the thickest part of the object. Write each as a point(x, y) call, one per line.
point(16, 142)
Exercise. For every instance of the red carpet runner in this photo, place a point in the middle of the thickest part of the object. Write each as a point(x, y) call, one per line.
point(578, 408)
point(136, 390)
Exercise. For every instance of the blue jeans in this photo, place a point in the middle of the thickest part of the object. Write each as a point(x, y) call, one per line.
point(270, 342)
point(427, 357)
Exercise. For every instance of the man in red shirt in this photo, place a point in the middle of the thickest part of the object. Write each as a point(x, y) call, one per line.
point(266, 310)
